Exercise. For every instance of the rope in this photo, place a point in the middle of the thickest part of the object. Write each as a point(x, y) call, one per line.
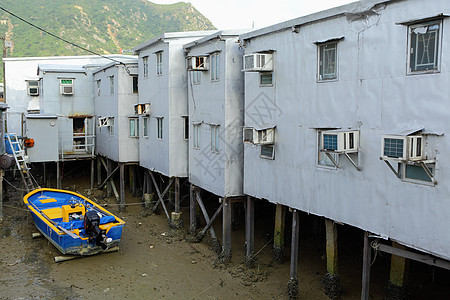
point(19, 189)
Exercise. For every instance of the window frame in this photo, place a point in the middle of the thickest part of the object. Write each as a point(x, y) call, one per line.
point(271, 157)
point(185, 127)
point(99, 87)
point(437, 51)
point(325, 163)
point(111, 85)
point(261, 74)
point(135, 85)
point(160, 128)
point(403, 174)
point(135, 133)
point(159, 63)
point(33, 84)
point(320, 63)
point(196, 136)
point(145, 123)
point(214, 59)
point(196, 77)
point(145, 66)
point(214, 131)
point(111, 126)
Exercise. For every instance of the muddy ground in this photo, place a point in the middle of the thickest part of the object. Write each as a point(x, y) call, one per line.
point(156, 262)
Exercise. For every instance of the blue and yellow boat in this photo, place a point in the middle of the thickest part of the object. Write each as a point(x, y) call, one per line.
point(72, 222)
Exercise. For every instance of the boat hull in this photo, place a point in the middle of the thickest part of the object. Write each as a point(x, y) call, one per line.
point(70, 237)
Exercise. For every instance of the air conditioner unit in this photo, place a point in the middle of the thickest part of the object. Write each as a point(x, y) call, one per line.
point(104, 122)
point(340, 141)
point(146, 108)
point(198, 63)
point(248, 134)
point(258, 62)
point(66, 86)
point(409, 148)
point(33, 91)
point(264, 136)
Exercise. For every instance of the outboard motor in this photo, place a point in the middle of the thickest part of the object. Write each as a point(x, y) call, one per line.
point(92, 229)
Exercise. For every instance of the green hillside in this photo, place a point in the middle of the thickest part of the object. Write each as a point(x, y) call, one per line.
point(101, 26)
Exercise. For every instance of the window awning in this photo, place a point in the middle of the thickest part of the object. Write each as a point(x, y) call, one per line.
point(422, 20)
point(264, 127)
point(335, 39)
point(405, 132)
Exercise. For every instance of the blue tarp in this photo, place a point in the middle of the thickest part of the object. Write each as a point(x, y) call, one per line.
point(79, 224)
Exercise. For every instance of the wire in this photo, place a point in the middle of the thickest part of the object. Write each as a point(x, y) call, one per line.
point(64, 40)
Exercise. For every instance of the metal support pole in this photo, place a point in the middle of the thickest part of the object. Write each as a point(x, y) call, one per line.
point(44, 170)
point(226, 231)
point(293, 281)
point(122, 187)
point(367, 256)
point(250, 231)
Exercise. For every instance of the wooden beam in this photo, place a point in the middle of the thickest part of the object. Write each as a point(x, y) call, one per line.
point(426, 259)
point(92, 173)
point(205, 213)
point(201, 234)
point(331, 247)
point(367, 256)
point(108, 172)
point(108, 178)
point(192, 211)
point(160, 196)
point(399, 268)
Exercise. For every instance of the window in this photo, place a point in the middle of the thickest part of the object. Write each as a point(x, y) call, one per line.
point(159, 127)
point(159, 63)
point(33, 88)
point(267, 151)
point(134, 127)
point(424, 46)
point(135, 85)
point(417, 173)
point(111, 126)
point(196, 77)
point(145, 126)
point(265, 79)
point(66, 86)
point(99, 83)
point(186, 127)
point(111, 85)
point(325, 158)
point(327, 61)
point(196, 136)
point(214, 138)
point(215, 66)
point(145, 64)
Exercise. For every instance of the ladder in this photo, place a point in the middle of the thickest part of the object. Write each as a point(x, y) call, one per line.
point(21, 163)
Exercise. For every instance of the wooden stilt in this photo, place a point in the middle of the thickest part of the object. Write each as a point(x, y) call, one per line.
point(92, 173)
point(398, 276)
point(122, 187)
point(278, 235)
point(192, 211)
point(99, 171)
point(44, 170)
point(160, 196)
point(149, 184)
point(108, 173)
point(214, 240)
point(332, 282)
point(132, 179)
point(331, 247)
point(226, 230)
point(250, 232)
point(58, 175)
point(367, 255)
point(177, 195)
point(1, 194)
point(293, 281)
